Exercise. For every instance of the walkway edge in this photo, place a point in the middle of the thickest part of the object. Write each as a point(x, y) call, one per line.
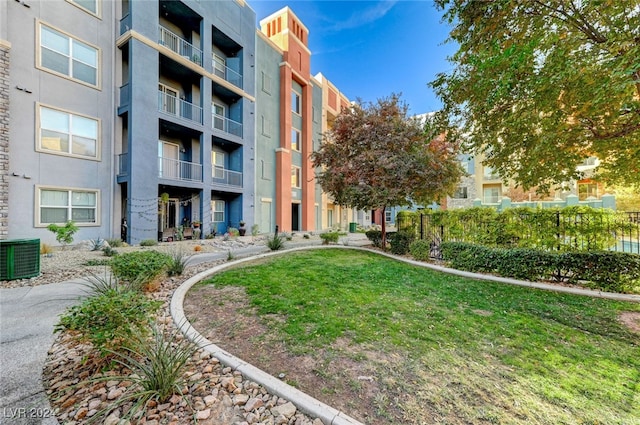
point(301, 400)
point(304, 402)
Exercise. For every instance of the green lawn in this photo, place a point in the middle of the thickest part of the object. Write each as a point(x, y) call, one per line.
point(465, 351)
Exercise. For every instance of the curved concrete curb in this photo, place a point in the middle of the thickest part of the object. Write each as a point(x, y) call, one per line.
point(302, 401)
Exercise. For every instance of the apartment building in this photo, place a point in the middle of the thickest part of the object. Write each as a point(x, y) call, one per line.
point(150, 116)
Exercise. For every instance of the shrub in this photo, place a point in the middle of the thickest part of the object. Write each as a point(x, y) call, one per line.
point(233, 232)
point(109, 318)
point(115, 242)
point(255, 229)
point(140, 268)
point(375, 236)
point(329, 237)
point(275, 242)
point(149, 242)
point(45, 249)
point(603, 270)
point(109, 252)
point(97, 262)
point(401, 241)
point(64, 234)
point(420, 250)
point(177, 262)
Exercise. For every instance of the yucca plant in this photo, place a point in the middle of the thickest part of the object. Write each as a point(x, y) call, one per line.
point(157, 364)
point(177, 262)
point(275, 242)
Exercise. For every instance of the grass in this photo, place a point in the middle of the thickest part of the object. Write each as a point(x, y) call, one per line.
point(465, 351)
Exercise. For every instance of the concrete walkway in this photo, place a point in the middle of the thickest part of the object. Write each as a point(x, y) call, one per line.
point(28, 315)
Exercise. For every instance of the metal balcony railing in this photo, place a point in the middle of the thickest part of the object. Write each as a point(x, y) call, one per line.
point(174, 169)
point(222, 176)
point(227, 125)
point(124, 95)
point(179, 45)
point(226, 73)
point(123, 164)
point(171, 105)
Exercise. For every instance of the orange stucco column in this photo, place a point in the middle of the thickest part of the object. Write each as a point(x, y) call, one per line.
point(283, 153)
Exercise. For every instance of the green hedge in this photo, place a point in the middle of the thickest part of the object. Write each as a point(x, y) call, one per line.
point(140, 267)
point(603, 270)
point(401, 240)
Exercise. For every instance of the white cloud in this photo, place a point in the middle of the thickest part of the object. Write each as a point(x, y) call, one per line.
point(364, 16)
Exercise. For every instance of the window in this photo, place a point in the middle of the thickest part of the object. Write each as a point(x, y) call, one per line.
point(67, 133)
point(220, 66)
point(61, 205)
point(217, 161)
point(219, 116)
point(217, 211)
point(491, 195)
point(295, 102)
point(295, 139)
point(465, 165)
point(460, 193)
point(489, 174)
point(295, 177)
point(168, 99)
point(88, 5)
point(68, 56)
point(387, 216)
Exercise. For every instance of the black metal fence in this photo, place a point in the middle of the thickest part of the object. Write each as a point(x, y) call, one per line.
point(548, 230)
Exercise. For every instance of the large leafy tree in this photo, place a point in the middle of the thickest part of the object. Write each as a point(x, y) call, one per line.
point(375, 156)
point(539, 85)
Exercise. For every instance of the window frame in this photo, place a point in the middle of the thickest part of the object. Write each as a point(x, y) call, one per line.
point(97, 13)
point(40, 148)
point(214, 210)
point(69, 75)
point(462, 190)
point(69, 207)
point(298, 142)
point(296, 102)
point(296, 177)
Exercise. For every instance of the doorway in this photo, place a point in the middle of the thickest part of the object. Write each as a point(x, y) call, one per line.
point(295, 217)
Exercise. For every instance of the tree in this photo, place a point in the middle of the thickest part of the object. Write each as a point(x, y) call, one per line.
point(375, 157)
point(64, 234)
point(540, 85)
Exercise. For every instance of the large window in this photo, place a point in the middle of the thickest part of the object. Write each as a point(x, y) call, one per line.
point(68, 56)
point(295, 139)
point(61, 205)
point(67, 133)
point(217, 211)
point(295, 177)
point(491, 194)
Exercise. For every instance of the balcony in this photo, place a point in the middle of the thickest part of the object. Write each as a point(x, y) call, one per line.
point(174, 169)
point(171, 105)
point(224, 177)
point(227, 125)
point(180, 46)
point(123, 164)
point(125, 24)
point(226, 73)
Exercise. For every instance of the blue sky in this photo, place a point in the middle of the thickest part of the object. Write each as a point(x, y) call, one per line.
point(370, 49)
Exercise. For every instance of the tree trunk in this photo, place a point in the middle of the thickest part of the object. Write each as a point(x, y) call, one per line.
point(384, 229)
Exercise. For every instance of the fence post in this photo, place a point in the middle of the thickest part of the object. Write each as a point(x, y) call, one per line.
point(558, 228)
point(421, 226)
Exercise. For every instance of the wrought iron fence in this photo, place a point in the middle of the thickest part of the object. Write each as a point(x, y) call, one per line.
point(557, 230)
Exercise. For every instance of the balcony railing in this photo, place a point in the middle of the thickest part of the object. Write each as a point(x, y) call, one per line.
point(124, 95)
point(123, 164)
point(174, 169)
point(226, 73)
point(227, 125)
point(171, 105)
point(222, 176)
point(125, 24)
point(177, 44)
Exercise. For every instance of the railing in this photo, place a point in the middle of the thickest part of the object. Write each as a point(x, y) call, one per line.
point(174, 169)
point(171, 105)
point(555, 231)
point(227, 125)
point(177, 44)
point(226, 73)
point(123, 164)
point(222, 176)
point(124, 95)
